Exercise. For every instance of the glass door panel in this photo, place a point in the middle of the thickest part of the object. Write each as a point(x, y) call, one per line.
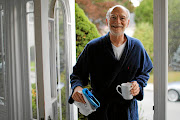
point(173, 104)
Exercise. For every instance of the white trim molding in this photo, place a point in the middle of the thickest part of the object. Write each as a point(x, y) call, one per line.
point(160, 58)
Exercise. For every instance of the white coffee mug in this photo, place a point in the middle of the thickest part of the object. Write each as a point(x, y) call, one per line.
point(125, 89)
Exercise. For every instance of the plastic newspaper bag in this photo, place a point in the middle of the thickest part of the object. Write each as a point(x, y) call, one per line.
point(91, 103)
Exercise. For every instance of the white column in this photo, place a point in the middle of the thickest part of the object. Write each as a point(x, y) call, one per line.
point(160, 58)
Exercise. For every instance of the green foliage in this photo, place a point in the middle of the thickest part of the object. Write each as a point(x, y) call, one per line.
point(144, 32)
point(34, 106)
point(85, 30)
point(82, 117)
point(63, 95)
point(173, 27)
point(144, 12)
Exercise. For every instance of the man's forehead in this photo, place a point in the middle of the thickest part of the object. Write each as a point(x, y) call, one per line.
point(119, 11)
point(122, 15)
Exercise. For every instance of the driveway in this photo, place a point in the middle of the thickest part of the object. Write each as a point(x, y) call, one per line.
point(146, 106)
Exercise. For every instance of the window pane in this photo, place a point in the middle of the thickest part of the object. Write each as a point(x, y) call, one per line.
point(173, 104)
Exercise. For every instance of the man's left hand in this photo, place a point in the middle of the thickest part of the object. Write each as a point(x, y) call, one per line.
point(135, 88)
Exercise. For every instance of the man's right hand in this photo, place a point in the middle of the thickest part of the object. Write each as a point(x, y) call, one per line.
point(78, 96)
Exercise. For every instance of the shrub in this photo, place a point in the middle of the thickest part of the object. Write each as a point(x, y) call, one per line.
point(85, 30)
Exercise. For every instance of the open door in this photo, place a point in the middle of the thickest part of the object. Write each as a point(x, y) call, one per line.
point(54, 43)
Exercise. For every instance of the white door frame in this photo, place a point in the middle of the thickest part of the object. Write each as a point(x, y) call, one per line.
point(160, 58)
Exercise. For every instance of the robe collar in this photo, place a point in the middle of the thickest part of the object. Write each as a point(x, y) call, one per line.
point(109, 49)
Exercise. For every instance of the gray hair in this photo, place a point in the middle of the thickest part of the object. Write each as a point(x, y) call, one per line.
point(112, 8)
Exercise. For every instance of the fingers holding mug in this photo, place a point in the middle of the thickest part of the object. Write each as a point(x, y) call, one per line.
point(135, 88)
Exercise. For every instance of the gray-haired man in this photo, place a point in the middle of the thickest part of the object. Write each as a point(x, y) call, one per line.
point(109, 61)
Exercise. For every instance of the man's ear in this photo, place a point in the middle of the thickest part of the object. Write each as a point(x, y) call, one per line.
point(128, 23)
point(106, 21)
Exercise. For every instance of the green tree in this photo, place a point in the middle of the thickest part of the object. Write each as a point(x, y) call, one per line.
point(144, 32)
point(173, 27)
point(85, 30)
point(144, 12)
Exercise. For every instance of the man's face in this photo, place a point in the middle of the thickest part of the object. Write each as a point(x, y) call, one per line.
point(118, 21)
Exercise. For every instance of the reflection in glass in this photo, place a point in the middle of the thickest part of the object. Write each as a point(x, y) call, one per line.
point(173, 103)
point(2, 59)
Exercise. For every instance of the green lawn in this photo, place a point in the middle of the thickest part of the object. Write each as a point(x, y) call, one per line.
point(172, 76)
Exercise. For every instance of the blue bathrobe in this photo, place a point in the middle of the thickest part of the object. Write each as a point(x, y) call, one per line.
point(98, 66)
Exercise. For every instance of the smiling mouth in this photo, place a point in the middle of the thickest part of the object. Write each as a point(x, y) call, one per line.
point(116, 26)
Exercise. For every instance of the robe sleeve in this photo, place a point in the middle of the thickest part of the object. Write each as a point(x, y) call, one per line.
point(80, 75)
point(142, 75)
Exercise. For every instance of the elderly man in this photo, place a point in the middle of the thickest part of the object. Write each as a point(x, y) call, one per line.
point(109, 61)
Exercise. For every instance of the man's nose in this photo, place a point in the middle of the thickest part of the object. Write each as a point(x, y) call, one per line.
point(118, 20)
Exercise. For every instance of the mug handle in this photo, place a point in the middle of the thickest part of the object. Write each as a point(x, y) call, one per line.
point(118, 90)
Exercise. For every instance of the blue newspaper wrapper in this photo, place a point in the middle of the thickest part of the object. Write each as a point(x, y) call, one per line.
point(94, 102)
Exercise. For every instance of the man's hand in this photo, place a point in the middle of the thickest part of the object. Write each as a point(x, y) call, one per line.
point(78, 96)
point(135, 88)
